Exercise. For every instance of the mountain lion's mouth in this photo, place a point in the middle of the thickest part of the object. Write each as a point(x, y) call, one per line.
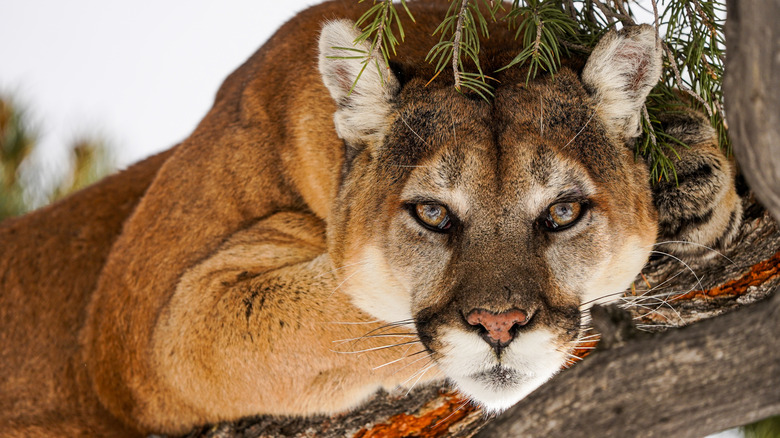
point(500, 378)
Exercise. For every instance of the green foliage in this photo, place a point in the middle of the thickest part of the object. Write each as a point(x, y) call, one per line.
point(16, 142)
point(90, 161)
point(768, 428)
point(542, 24)
point(696, 54)
point(459, 40)
point(693, 44)
point(659, 148)
point(377, 27)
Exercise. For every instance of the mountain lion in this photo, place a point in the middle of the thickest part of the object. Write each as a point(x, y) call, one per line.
point(311, 243)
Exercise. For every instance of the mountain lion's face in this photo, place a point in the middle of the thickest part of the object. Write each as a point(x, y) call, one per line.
point(490, 225)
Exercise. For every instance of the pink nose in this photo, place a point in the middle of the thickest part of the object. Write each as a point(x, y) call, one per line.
point(498, 325)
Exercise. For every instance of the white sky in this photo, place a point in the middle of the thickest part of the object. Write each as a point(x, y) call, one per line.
point(140, 74)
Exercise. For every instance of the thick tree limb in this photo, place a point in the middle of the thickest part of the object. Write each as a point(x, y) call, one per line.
point(752, 94)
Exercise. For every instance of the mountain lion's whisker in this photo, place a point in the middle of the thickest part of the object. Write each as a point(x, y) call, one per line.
point(384, 347)
point(698, 280)
point(451, 414)
point(580, 131)
point(424, 371)
point(600, 297)
point(404, 356)
point(655, 310)
point(663, 283)
point(699, 245)
point(403, 119)
point(385, 335)
point(391, 325)
point(333, 270)
point(344, 281)
point(428, 356)
point(355, 323)
point(571, 356)
point(581, 344)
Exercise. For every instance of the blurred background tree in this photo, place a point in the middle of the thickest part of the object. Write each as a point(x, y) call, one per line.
point(22, 187)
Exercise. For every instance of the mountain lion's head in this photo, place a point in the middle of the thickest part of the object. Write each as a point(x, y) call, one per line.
point(491, 224)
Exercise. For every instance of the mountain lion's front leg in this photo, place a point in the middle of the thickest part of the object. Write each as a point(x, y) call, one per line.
point(699, 211)
point(261, 327)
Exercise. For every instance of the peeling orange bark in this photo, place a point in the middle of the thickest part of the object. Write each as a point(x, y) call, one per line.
point(583, 350)
point(434, 420)
point(759, 274)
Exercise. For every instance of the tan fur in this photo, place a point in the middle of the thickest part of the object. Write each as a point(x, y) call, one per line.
point(254, 268)
point(50, 265)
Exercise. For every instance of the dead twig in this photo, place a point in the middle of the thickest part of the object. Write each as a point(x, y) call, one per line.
point(612, 15)
point(456, 42)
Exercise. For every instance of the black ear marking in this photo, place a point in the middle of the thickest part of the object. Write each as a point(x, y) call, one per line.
point(402, 73)
point(350, 152)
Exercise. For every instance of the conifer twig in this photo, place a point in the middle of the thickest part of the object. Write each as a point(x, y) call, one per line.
point(376, 44)
point(704, 17)
point(679, 82)
point(538, 39)
point(571, 9)
point(650, 132)
point(655, 18)
point(623, 11)
point(580, 47)
point(456, 42)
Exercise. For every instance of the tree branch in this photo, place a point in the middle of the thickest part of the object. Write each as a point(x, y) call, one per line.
point(376, 45)
point(456, 42)
point(752, 96)
point(612, 15)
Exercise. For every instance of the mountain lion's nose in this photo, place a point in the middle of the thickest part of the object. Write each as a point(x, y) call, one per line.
point(498, 326)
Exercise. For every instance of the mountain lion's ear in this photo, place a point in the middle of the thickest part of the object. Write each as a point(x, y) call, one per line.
point(621, 71)
point(362, 112)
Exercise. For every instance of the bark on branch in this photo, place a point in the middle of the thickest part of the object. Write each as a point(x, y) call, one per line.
point(752, 94)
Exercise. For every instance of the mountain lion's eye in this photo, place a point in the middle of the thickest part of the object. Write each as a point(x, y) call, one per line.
point(433, 216)
point(562, 215)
